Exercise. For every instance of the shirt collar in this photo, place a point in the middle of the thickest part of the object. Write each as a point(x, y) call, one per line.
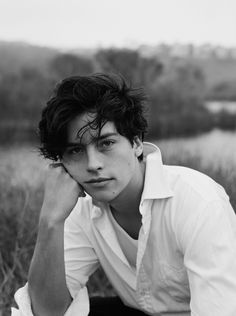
point(156, 184)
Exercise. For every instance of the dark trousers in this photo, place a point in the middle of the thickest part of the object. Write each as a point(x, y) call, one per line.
point(111, 306)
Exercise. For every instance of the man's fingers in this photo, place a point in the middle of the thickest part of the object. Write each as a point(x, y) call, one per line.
point(82, 193)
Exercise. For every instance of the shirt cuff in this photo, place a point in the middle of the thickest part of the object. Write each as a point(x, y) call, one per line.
point(80, 303)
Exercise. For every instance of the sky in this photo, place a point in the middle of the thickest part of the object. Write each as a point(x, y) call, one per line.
point(71, 24)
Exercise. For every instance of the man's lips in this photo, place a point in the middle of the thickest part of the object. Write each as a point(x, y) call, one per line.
point(98, 180)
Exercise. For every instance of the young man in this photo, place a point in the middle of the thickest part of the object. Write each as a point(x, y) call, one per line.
point(164, 235)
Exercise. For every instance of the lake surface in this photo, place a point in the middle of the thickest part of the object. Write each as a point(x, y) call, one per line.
point(217, 148)
point(217, 106)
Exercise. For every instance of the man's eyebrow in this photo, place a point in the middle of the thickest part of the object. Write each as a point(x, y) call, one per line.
point(101, 137)
point(95, 138)
point(70, 144)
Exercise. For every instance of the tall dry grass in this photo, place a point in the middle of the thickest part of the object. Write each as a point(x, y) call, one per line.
point(20, 196)
point(21, 193)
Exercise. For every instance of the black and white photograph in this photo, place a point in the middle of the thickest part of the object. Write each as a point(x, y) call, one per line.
point(117, 158)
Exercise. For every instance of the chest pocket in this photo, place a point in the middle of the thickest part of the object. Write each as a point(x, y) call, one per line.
point(175, 281)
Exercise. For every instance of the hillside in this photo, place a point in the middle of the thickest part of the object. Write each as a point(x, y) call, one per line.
point(15, 55)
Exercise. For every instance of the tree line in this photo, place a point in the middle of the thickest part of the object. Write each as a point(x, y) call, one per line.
point(177, 92)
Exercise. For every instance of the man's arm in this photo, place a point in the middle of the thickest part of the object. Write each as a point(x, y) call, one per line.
point(47, 282)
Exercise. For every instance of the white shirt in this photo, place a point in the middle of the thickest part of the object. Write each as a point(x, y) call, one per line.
point(128, 245)
point(186, 258)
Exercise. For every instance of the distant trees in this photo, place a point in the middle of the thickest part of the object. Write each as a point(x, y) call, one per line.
point(139, 70)
point(64, 65)
point(22, 95)
point(177, 103)
point(223, 91)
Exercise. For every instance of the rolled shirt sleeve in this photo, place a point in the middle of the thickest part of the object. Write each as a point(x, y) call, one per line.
point(80, 303)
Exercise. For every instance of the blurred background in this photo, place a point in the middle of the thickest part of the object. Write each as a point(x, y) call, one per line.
point(183, 53)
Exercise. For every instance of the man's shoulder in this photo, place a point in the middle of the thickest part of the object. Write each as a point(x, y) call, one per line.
point(184, 180)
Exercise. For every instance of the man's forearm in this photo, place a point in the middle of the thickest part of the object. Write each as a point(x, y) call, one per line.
point(47, 283)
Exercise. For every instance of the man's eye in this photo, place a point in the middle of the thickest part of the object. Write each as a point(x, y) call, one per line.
point(75, 150)
point(107, 143)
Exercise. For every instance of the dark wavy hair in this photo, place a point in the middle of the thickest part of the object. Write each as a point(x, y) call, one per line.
point(110, 97)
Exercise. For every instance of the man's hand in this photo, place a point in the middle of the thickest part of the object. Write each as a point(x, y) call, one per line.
point(61, 194)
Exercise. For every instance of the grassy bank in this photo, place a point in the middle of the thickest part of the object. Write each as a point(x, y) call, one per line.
point(21, 193)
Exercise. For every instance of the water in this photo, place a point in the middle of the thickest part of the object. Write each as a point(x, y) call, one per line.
point(216, 148)
point(217, 106)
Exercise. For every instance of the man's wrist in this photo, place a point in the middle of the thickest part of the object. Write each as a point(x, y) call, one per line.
point(47, 221)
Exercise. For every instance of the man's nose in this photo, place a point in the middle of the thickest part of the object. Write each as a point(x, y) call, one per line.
point(94, 160)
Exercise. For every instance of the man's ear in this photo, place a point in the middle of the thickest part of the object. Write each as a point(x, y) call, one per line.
point(138, 146)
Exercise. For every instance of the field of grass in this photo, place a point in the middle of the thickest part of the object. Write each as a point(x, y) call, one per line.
point(21, 193)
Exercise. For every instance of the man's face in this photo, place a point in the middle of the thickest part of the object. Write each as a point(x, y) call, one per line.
point(105, 164)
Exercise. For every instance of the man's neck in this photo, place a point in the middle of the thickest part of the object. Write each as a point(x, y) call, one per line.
point(127, 203)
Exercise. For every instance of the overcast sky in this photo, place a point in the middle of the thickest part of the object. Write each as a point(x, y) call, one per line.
point(105, 23)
